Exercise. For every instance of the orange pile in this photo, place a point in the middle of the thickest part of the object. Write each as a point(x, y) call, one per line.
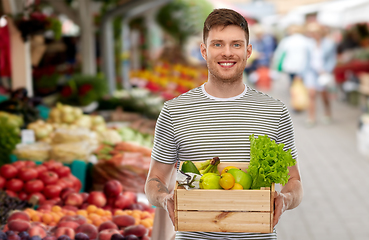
point(93, 214)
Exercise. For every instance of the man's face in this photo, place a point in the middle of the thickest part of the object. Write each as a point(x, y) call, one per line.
point(226, 52)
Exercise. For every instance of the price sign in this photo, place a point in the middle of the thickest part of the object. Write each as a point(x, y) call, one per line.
point(28, 136)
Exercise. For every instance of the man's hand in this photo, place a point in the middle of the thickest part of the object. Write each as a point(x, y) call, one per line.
point(169, 206)
point(280, 206)
point(290, 195)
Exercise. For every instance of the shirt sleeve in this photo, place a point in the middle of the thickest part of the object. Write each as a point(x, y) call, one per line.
point(286, 133)
point(164, 149)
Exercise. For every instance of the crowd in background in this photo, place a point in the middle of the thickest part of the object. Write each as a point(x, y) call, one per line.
point(307, 54)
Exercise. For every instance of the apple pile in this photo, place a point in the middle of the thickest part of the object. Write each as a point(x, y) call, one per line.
point(112, 198)
point(25, 179)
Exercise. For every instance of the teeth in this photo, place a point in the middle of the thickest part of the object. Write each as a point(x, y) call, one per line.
point(226, 64)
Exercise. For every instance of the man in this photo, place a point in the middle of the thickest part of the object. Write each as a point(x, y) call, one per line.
point(216, 119)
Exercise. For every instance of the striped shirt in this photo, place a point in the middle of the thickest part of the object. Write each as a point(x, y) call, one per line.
point(197, 126)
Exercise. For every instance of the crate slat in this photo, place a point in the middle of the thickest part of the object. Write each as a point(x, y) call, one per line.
point(224, 221)
point(218, 200)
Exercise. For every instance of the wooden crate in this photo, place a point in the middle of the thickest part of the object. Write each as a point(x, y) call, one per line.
point(213, 210)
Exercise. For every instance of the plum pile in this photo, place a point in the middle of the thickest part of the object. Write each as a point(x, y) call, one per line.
point(8, 204)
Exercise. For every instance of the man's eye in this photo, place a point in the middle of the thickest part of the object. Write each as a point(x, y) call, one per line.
point(217, 44)
point(237, 45)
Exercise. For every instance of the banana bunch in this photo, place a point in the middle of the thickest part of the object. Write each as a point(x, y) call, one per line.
point(209, 166)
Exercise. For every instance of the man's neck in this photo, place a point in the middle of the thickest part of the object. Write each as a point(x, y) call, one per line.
point(224, 89)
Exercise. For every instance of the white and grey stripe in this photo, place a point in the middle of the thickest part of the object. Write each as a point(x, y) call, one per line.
point(196, 126)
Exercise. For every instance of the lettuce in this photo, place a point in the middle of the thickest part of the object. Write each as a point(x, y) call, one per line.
point(268, 162)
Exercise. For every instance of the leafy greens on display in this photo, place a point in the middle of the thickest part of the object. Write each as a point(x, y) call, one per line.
point(268, 162)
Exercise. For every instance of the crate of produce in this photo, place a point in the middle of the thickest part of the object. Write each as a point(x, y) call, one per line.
point(213, 210)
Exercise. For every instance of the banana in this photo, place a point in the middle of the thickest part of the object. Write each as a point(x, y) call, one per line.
point(212, 167)
point(202, 165)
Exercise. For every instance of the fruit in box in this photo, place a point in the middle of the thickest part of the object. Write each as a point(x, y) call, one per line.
point(241, 177)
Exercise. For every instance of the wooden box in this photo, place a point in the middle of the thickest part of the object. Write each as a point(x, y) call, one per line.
point(213, 210)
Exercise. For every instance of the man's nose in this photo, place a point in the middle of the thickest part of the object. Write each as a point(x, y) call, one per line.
point(227, 51)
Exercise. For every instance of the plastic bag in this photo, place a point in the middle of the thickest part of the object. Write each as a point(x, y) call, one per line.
point(299, 95)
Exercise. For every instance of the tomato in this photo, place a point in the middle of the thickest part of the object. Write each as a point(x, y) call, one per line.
point(8, 171)
point(39, 196)
point(68, 181)
point(11, 193)
point(27, 174)
point(48, 177)
point(2, 182)
point(61, 183)
point(62, 171)
point(78, 185)
point(52, 164)
point(15, 185)
point(40, 169)
point(30, 163)
point(34, 186)
point(52, 191)
point(22, 196)
point(19, 164)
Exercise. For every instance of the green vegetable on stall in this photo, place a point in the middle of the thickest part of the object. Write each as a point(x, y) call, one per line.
point(268, 162)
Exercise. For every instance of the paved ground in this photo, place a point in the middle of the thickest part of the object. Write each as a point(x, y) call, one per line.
point(335, 177)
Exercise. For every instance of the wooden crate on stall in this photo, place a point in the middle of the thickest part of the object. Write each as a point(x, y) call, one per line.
point(218, 210)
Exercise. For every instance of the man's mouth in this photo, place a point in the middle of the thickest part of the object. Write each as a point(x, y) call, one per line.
point(226, 64)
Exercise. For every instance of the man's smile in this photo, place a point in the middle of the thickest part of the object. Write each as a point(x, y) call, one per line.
point(226, 64)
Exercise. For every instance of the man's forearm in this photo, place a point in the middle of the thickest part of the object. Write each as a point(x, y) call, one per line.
point(155, 191)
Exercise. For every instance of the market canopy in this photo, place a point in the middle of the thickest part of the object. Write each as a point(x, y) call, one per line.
point(340, 14)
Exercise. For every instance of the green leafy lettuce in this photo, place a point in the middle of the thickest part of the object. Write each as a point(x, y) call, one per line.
point(268, 162)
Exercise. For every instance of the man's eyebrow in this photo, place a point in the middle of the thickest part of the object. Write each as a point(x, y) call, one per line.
point(219, 40)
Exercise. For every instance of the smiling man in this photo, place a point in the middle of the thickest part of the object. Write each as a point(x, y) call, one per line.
point(217, 119)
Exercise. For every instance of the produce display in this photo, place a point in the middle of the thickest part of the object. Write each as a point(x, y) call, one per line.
point(25, 179)
point(9, 134)
point(109, 214)
point(126, 162)
point(8, 204)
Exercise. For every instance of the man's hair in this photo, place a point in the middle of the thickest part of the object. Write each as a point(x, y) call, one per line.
point(225, 17)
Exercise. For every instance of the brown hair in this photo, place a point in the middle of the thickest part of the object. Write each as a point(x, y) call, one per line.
point(224, 17)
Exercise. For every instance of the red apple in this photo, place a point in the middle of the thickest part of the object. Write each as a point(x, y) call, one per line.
point(112, 188)
point(97, 198)
point(89, 229)
point(18, 215)
point(107, 225)
point(73, 199)
point(68, 224)
point(65, 192)
point(84, 196)
point(107, 233)
point(64, 231)
point(19, 225)
point(37, 231)
point(122, 202)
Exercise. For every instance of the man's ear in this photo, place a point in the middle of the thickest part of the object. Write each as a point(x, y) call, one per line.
point(249, 51)
point(203, 50)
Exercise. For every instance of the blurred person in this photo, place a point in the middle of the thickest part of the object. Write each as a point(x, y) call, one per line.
point(321, 65)
point(225, 110)
point(292, 53)
point(264, 45)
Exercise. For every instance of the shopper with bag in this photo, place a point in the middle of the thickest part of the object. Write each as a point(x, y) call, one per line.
point(216, 119)
point(319, 77)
